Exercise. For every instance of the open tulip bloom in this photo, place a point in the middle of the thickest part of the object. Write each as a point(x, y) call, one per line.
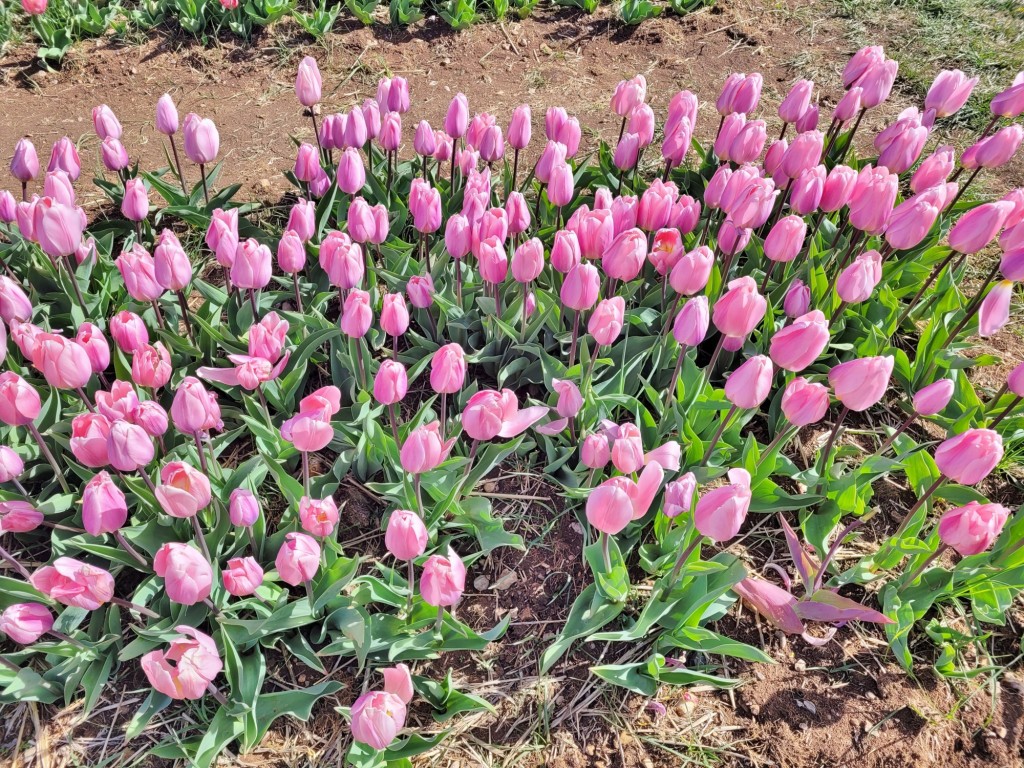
point(186, 456)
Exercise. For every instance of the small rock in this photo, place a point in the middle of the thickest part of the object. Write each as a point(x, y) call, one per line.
point(506, 580)
point(808, 705)
point(1000, 731)
point(800, 666)
point(480, 583)
point(590, 749)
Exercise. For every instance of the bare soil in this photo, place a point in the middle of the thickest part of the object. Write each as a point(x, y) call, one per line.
point(846, 704)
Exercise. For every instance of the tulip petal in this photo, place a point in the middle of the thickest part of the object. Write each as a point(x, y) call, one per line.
point(772, 602)
point(523, 420)
point(227, 376)
point(553, 427)
point(826, 605)
point(647, 488)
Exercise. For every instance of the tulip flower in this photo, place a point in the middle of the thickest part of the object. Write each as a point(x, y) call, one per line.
point(19, 517)
point(973, 528)
point(186, 670)
point(242, 577)
point(927, 401)
point(720, 512)
point(25, 623)
point(443, 582)
point(24, 164)
point(75, 584)
point(377, 717)
point(202, 143)
point(243, 508)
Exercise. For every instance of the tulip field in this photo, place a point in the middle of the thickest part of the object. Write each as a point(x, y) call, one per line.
point(656, 415)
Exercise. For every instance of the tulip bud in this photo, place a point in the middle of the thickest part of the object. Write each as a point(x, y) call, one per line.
point(932, 399)
point(969, 457)
point(804, 402)
point(859, 384)
point(406, 536)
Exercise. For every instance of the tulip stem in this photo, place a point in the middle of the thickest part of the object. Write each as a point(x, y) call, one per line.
point(22, 571)
point(199, 535)
point(709, 370)
point(668, 170)
point(680, 562)
point(419, 496)
point(119, 537)
point(575, 338)
point(202, 456)
point(828, 446)
point(522, 327)
point(58, 473)
point(360, 363)
point(837, 313)
point(606, 551)
point(853, 132)
point(159, 315)
point(718, 434)
point(902, 428)
point(469, 463)
point(23, 492)
point(177, 163)
point(202, 175)
point(74, 284)
point(140, 609)
point(917, 505)
point(266, 408)
point(309, 596)
point(215, 692)
point(252, 302)
point(1013, 404)
point(411, 565)
point(394, 424)
point(921, 568)
point(146, 480)
point(927, 284)
point(209, 604)
point(24, 191)
point(854, 242)
point(183, 303)
point(671, 314)
point(444, 415)
point(305, 472)
point(590, 369)
point(767, 275)
point(963, 189)
point(991, 403)
point(974, 305)
point(673, 383)
point(66, 639)
point(298, 293)
point(439, 623)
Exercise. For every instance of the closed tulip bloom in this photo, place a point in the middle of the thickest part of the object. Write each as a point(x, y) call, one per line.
point(716, 187)
point(720, 512)
point(57, 186)
point(606, 322)
point(528, 261)
point(517, 213)
point(390, 383)
point(994, 313)
point(553, 155)
point(679, 495)
point(308, 82)
point(318, 516)
point(554, 119)
point(307, 163)
point(74, 583)
point(948, 93)
point(129, 447)
point(596, 451)
point(872, 199)
point(627, 449)
point(655, 207)
point(748, 142)
point(58, 228)
point(594, 232)
point(581, 287)
point(222, 235)
point(807, 189)
point(877, 83)
point(361, 223)
point(934, 169)
point(253, 265)
point(561, 185)
point(999, 148)
point(628, 95)
point(626, 151)
point(351, 173)
point(19, 401)
point(666, 250)
point(857, 282)
point(785, 239)
point(104, 509)
point(298, 559)
point(151, 366)
point(519, 128)
point(420, 290)
point(740, 94)
point(128, 331)
point(64, 156)
point(1010, 102)
point(731, 128)
point(739, 186)
point(932, 399)
point(973, 528)
point(25, 161)
point(690, 274)
point(152, 417)
point(492, 260)
point(138, 270)
point(25, 623)
point(900, 144)
point(25, 214)
point(64, 363)
point(797, 101)
point(11, 464)
point(624, 257)
point(424, 449)
point(457, 117)
point(804, 402)
point(492, 144)
point(732, 239)
point(570, 401)
point(377, 717)
point(641, 123)
point(1011, 264)
point(184, 490)
point(448, 369)
point(166, 115)
point(750, 384)
point(797, 299)
point(443, 580)
point(911, 221)
point(565, 252)
point(969, 457)
point(8, 207)
point(19, 517)
point(859, 384)
point(242, 577)
point(195, 409)
point(803, 152)
point(114, 155)
point(691, 324)
point(92, 340)
point(243, 508)
point(425, 207)
point(406, 536)
point(444, 147)
point(89, 435)
point(135, 204)
point(740, 309)
point(171, 266)
point(609, 508)
point(357, 315)
point(798, 345)
point(394, 315)
point(202, 141)
point(839, 187)
point(105, 122)
point(1015, 381)
point(187, 575)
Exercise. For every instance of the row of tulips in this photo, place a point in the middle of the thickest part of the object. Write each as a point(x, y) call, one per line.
point(414, 322)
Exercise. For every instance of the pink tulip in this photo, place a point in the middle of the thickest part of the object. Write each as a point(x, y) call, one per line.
point(934, 169)
point(995, 150)
point(606, 322)
point(19, 517)
point(857, 282)
point(187, 668)
point(25, 623)
point(138, 270)
point(751, 383)
point(151, 366)
point(570, 401)
point(351, 173)
point(691, 324)
point(406, 536)
point(979, 226)
point(390, 383)
point(528, 261)
point(948, 93)
point(628, 95)
point(627, 449)
point(183, 491)
point(64, 363)
point(859, 384)
point(655, 207)
point(114, 155)
point(357, 315)
point(64, 156)
point(798, 345)
point(457, 118)
point(740, 309)
point(8, 207)
point(166, 115)
point(720, 512)
point(58, 229)
point(104, 509)
point(492, 260)
point(342, 260)
point(994, 313)
point(679, 495)
point(187, 575)
point(690, 274)
point(202, 141)
point(11, 464)
point(910, 222)
point(253, 265)
point(394, 315)
point(242, 577)
point(25, 161)
point(876, 83)
point(1010, 102)
point(932, 399)
point(424, 449)
point(377, 717)
point(89, 435)
point(609, 508)
point(74, 583)
point(171, 266)
point(666, 250)
point(804, 402)
point(243, 508)
point(448, 369)
point(420, 290)
point(222, 235)
point(973, 528)
point(872, 199)
point(90, 338)
point(797, 101)
point(129, 447)
point(900, 144)
point(19, 401)
point(195, 409)
point(489, 414)
point(806, 190)
point(748, 141)
point(565, 252)
point(731, 238)
point(443, 580)
point(135, 204)
point(57, 186)
point(840, 185)
point(308, 82)
point(298, 559)
point(785, 239)
point(318, 516)
point(128, 331)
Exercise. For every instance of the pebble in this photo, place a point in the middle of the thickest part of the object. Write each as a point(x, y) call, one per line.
point(480, 583)
point(506, 580)
point(800, 666)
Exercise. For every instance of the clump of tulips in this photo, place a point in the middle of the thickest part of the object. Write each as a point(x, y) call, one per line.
point(181, 445)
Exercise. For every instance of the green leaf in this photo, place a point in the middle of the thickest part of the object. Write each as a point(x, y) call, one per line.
point(589, 613)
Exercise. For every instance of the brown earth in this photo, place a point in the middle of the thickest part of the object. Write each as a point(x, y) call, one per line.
point(844, 704)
